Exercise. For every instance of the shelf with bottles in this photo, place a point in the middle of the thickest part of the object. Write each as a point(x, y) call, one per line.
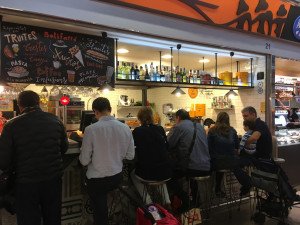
point(132, 72)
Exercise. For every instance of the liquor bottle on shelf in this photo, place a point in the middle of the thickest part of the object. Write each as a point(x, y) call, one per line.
point(142, 73)
point(167, 72)
point(156, 74)
point(184, 79)
point(147, 76)
point(127, 71)
point(163, 75)
point(178, 74)
point(123, 69)
point(198, 80)
point(190, 77)
point(132, 72)
point(119, 75)
point(151, 72)
point(137, 72)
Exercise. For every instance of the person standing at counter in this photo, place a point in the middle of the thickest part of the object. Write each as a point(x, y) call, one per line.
point(105, 144)
point(32, 144)
point(292, 115)
point(261, 134)
point(191, 156)
point(151, 153)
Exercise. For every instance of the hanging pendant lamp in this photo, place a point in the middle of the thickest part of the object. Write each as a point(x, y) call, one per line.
point(231, 93)
point(178, 92)
point(105, 88)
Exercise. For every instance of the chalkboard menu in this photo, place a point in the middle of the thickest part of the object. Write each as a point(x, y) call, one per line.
point(45, 56)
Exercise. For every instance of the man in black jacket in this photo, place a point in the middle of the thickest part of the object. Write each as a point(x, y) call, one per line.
point(32, 145)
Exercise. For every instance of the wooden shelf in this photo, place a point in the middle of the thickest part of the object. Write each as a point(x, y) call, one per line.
point(120, 83)
point(128, 107)
point(286, 85)
point(223, 108)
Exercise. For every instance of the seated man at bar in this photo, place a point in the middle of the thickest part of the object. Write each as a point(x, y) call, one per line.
point(32, 144)
point(189, 149)
point(105, 144)
point(261, 134)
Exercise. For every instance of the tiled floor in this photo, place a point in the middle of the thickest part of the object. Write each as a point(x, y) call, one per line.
point(218, 216)
point(243, 217)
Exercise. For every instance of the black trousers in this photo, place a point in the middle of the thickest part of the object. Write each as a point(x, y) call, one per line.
point(36, 201)
point(98, 189)
point(176, 187)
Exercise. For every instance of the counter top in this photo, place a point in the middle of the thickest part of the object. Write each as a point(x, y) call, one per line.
point(74, 147)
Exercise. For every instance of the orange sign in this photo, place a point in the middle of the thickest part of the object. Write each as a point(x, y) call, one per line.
point(193, 92)
point(259, 16)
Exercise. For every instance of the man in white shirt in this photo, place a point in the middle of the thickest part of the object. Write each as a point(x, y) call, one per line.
point(105, 144)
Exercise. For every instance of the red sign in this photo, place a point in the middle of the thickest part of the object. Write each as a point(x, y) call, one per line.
point(266, 17)
point(64, 100)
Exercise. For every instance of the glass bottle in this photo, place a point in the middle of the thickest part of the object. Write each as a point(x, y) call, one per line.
point(151, 72)
point(132, 73)
point(156, 74)
point(178, 73)
point(142, 73)
point(127, 71)
point(190, 79)
point(123, 70)
point(167, 74)
point(163, 75)
point(137, 72)
point(119, 71)
point(184, 75)
point(198, 77)
point(147, 76)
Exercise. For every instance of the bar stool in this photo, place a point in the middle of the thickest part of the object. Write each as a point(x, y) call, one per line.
point(154, 187)
point(279, 161)
point(119, 206)
point(252, 195)
point(203, 187)
point(227, 181)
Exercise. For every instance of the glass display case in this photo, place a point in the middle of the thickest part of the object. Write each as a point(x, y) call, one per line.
point(288, 136)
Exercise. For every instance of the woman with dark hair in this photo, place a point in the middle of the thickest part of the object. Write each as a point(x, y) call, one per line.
point(151, 153)
point(223, 145)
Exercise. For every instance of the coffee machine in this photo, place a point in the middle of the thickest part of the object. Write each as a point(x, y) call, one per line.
point(70, 114)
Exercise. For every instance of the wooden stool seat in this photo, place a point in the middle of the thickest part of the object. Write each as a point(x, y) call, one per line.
point(200, 178)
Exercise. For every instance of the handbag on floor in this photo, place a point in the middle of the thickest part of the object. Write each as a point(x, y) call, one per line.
point(193, 216)
point(155, 214)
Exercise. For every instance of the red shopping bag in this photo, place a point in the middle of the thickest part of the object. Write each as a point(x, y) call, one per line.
point(155, 214)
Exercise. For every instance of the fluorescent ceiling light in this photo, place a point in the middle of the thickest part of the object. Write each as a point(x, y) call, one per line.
point(167, 56)
point(204, 60)
point(122, 50)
